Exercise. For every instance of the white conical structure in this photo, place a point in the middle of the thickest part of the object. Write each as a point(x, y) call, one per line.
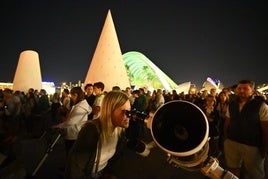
point(28, 73)
point(107, 64)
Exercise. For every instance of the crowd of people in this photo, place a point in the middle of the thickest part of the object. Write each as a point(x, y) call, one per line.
point(95, 123)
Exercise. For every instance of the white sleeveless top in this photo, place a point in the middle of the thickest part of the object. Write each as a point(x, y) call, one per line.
point(107, 151)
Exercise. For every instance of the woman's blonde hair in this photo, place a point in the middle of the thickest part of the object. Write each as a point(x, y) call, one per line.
point(111, 101)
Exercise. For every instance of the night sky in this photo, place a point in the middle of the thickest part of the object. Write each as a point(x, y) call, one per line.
point(188, 40)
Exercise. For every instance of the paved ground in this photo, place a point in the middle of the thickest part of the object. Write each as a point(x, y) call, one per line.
point(30, 152)
point(131, 166)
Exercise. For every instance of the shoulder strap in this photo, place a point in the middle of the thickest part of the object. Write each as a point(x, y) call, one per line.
point(96, 122)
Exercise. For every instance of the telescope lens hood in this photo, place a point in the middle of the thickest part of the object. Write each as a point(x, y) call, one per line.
point(180, 128)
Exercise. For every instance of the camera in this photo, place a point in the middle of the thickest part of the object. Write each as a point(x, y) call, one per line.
point(138, 115)
point(3, 108)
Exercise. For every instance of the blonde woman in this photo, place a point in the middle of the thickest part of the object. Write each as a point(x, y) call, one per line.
point(100, 139)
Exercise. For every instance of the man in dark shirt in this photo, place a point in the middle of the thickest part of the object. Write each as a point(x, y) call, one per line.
point(246, 132)
point(90, 97)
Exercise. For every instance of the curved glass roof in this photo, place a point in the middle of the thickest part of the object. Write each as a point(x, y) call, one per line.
point(142, 72)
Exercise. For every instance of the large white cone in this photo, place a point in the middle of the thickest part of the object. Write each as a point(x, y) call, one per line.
point(28, 73)
point(107, 64)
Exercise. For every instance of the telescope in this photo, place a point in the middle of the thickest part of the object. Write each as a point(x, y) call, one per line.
point(180, 128)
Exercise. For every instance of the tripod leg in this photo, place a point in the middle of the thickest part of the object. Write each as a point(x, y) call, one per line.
point(46, 155)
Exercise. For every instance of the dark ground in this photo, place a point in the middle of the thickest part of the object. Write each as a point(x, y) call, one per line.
point(27, 153)
point(130, 166)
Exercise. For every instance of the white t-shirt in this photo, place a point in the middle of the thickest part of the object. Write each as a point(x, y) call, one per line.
point(107, 151)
